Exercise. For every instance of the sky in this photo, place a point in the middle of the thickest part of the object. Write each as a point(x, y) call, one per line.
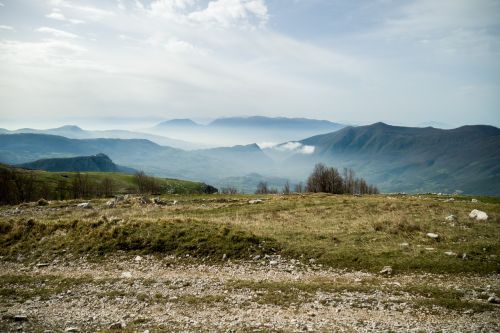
point(126, 63)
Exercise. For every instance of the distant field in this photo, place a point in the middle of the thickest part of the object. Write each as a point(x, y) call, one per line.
point(360, 233)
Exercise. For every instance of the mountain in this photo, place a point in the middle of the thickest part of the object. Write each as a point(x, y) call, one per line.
point(200, 165)
point(177, 123)
point(300, 124)
point(94, 163)
point(242, 130)
point(75, 132)
point(396, 159)
point(415, 159)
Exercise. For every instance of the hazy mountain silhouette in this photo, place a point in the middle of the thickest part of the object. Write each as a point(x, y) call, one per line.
point(94, 163)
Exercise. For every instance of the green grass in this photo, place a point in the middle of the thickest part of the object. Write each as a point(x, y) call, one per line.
point(360, 233)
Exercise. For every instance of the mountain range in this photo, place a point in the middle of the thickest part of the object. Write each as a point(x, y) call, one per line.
point(75, 132)
point(396, 159)
point(242, 130)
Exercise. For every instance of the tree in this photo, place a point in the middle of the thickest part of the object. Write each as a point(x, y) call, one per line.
point(262, 188)
point(286, 188)
point(329, 180)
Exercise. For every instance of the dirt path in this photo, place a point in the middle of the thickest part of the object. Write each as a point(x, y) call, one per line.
point(268, 294)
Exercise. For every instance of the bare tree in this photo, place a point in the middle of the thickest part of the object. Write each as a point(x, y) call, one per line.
point(286, 188)
point(262, 188)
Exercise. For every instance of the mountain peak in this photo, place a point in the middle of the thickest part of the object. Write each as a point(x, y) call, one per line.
point(178, 122)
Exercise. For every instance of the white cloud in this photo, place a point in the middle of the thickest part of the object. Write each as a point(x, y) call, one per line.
point(232, 12)
point(56, 32)
point(291, 146)
point(7, 27)
point(57, 15)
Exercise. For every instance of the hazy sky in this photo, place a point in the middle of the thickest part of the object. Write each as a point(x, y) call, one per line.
point(402, 62)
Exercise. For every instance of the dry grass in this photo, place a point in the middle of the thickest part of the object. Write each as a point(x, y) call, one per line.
point(340, 231)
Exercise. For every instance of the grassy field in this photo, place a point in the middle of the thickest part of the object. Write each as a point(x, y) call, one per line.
point(358, 233)
point(122, 183)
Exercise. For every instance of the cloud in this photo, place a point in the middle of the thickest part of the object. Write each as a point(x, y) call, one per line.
point(56, 32)
point(7, 27)
point(291, 146)
point(232, 12)
point(57, 15)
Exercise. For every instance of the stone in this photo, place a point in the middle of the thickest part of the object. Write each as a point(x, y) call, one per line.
point(257, 257)
point(387, 270)
point(404, 244)
point(494, 300)
point(145, 200)
point(72, 329)
point(273, 262)
point(449, 200)
point(478, 215)
point(42, 202)
point(255, 201)
point(174, 202)
point(42, 265)
point(111, 203)
point(450, 218)
point(450, 253)
point(474, 200)
point(126, 275)
point(138, 258)
point(432, 235)
point(117, 326)
point(84, 205)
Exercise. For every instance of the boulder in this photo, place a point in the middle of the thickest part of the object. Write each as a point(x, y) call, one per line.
point(42, 202)
point(84, 205)
point(494, 300)
point(478, 215)
point(432, 235)
point(387, 270)
point(255, 201)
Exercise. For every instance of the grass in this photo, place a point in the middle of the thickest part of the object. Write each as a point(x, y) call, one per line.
point(360, 233)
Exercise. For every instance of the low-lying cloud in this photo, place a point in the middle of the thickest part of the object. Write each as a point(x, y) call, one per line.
point(291, 146)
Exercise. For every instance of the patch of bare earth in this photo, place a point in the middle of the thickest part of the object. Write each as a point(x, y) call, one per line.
point(152, 293)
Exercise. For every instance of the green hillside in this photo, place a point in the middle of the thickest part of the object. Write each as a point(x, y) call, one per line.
point(18, 185)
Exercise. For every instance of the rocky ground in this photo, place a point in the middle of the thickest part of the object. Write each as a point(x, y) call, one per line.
point(166, 293)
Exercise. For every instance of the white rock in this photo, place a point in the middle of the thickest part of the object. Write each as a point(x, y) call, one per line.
point(174, 202)
point(450, 218)
point(255, 201)
point(138, 258)
point(404, 244)
point(450, 253)
point(111, 203)
point(84, 205)
point(475, 200)
point(72, 329)
point(273, 262)
point(387, 270)
point(478, 215)
point(494, 300)
point(432, 235)
point(127, 275)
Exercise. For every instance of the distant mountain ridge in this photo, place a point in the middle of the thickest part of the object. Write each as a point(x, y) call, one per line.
point(75, 132)
point(419, 159)
point(395, 158)
point(93, 163)
point(243, 130)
